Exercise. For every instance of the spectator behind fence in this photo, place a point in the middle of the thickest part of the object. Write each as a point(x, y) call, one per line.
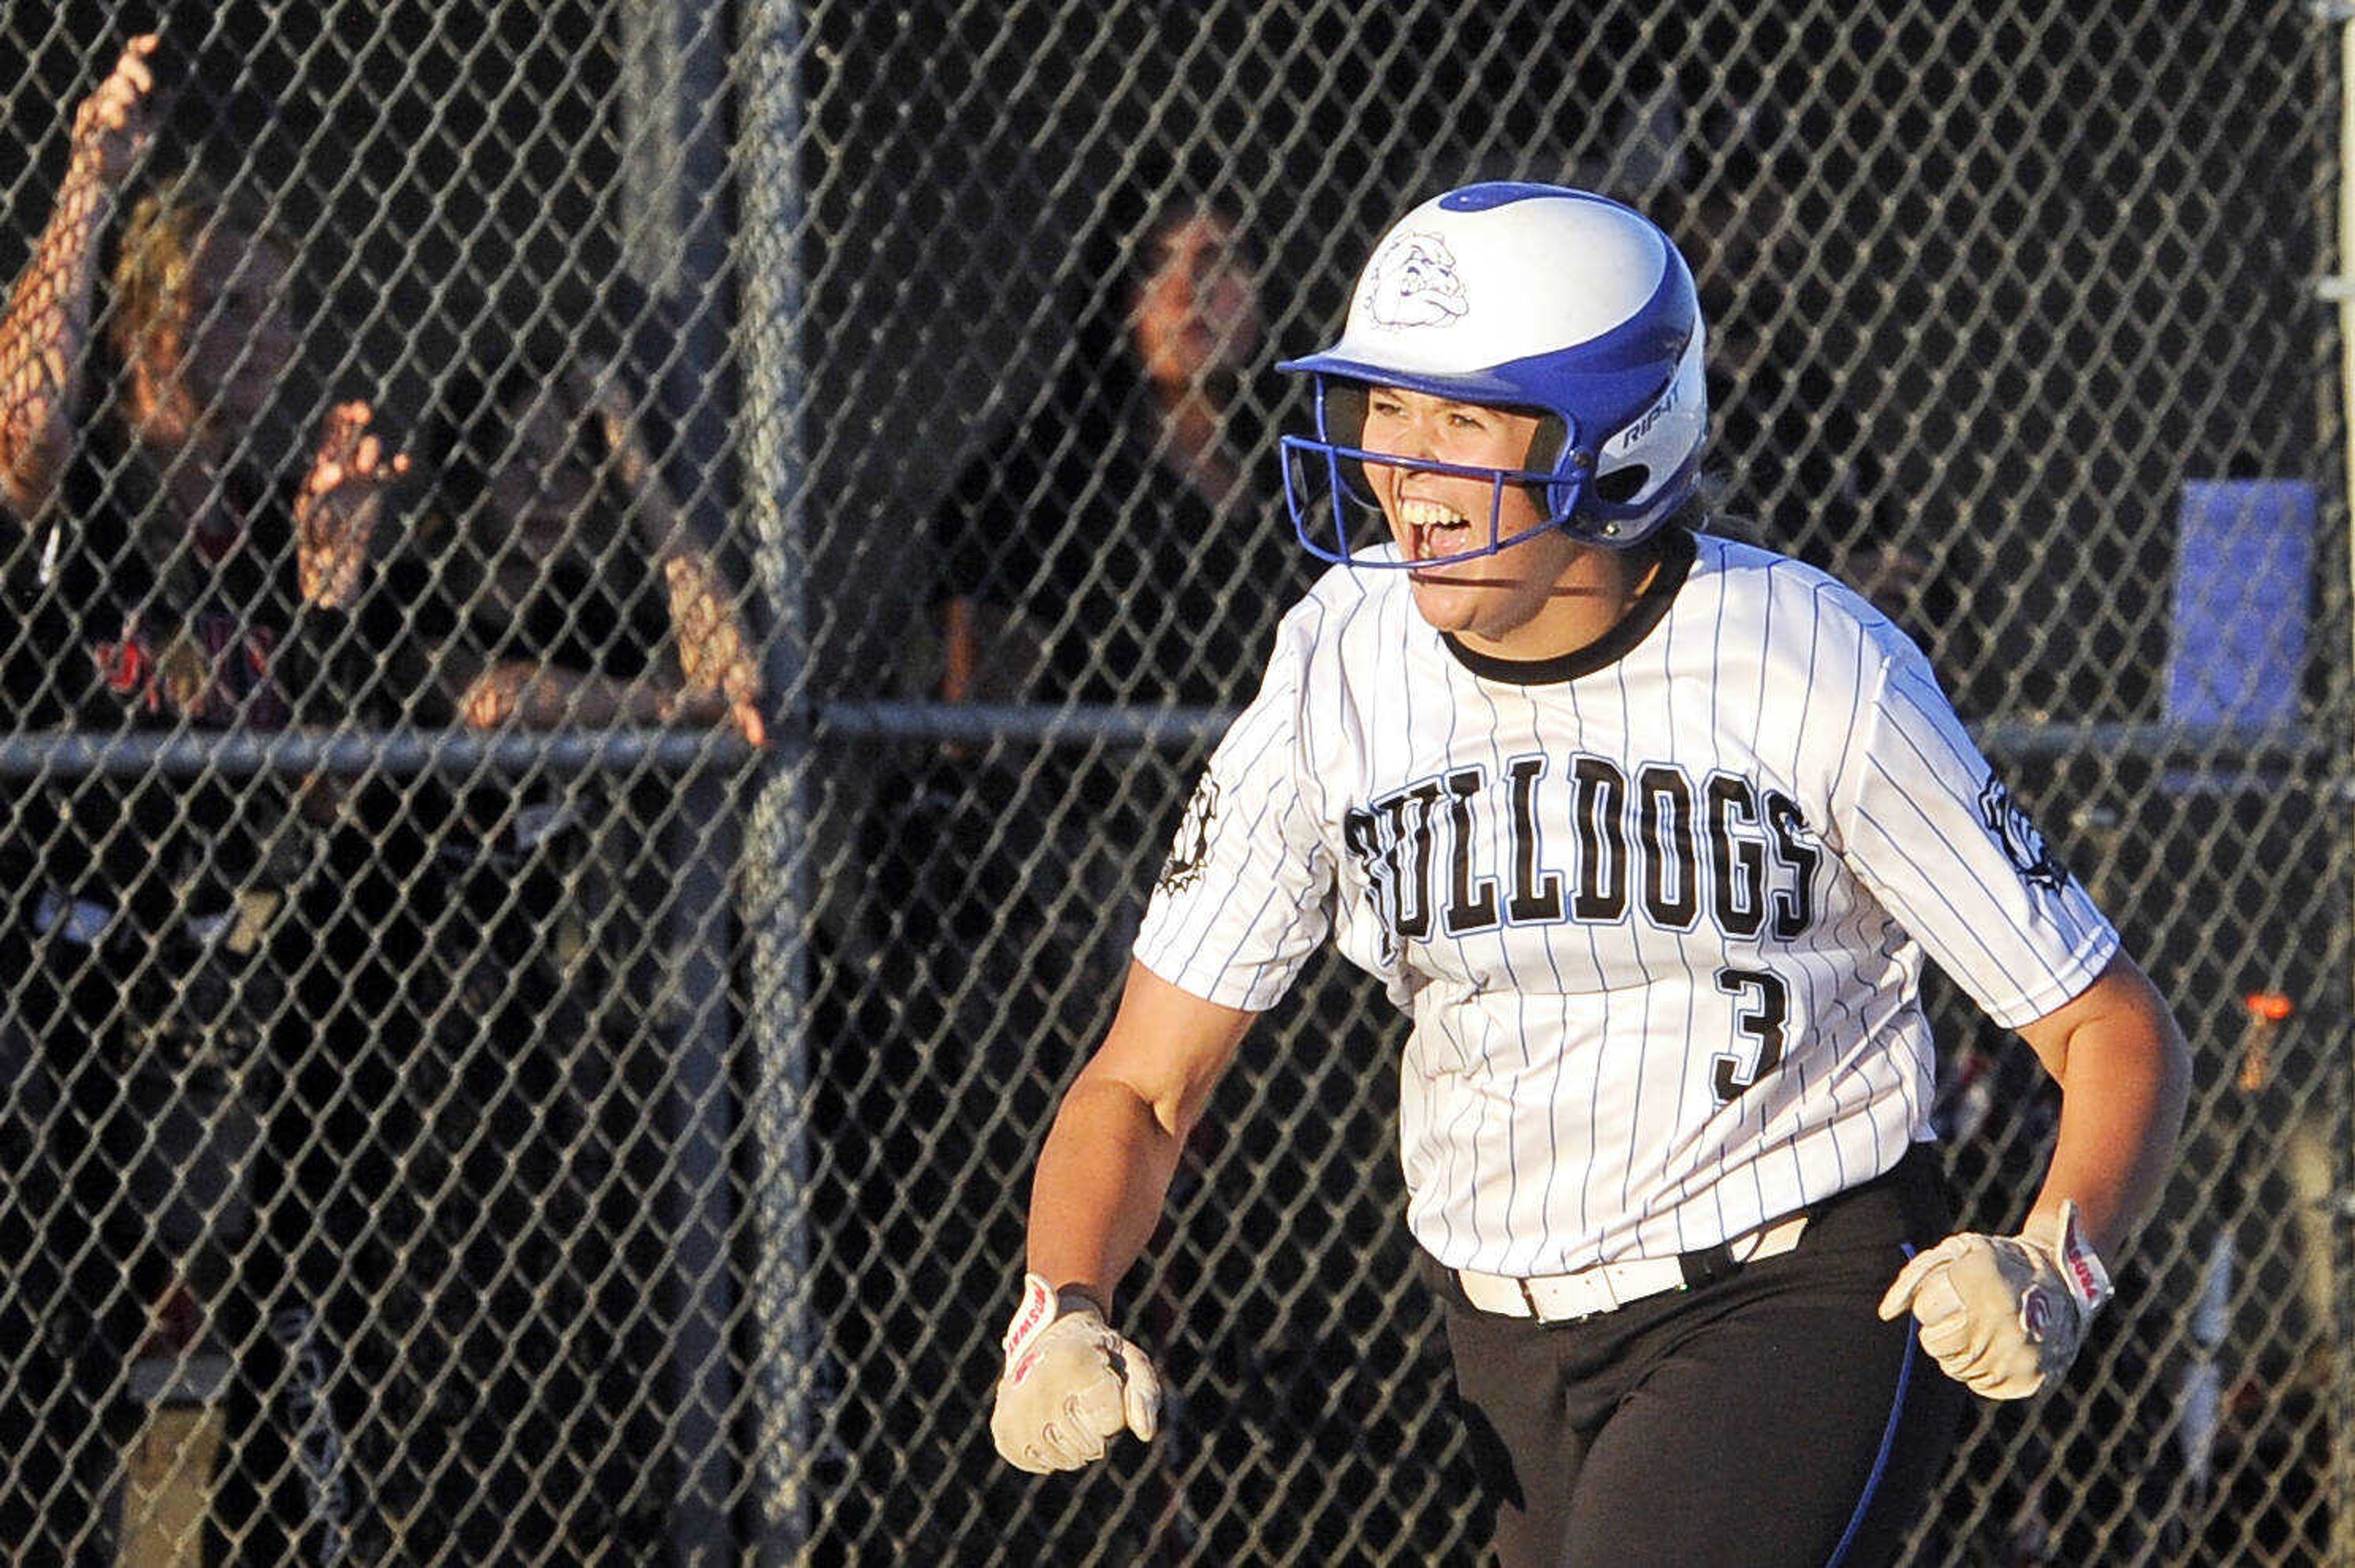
point(193, 985)
point(1122, 542)
point(576, 594)
point(556, 588)
point(1119, 545)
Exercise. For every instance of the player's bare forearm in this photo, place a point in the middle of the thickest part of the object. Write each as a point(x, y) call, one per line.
point(1107, 1164)
point(1101, 1182)
point(2125, 1072)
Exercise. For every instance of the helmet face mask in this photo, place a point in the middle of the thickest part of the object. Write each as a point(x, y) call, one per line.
point(1532, 298)
point(1329, 490)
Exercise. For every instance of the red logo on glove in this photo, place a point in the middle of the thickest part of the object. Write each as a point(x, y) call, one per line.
point(1030, 1320)
point(2090, 1286)
point(2081, 1267)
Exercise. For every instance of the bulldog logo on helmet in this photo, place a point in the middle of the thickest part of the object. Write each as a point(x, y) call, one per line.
point(1414, 283)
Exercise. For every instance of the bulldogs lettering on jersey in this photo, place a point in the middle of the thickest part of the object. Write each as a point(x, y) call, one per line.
point(1751, 849)
point(1658, 913)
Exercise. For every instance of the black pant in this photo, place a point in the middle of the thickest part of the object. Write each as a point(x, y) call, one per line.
point(1768, 1418)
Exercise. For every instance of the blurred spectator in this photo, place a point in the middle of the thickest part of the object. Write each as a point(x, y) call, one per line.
point(193, 981)
point(1118, 545)
point(576, 594)
point(556, 587)
point(560, 588)
point(1124, 543)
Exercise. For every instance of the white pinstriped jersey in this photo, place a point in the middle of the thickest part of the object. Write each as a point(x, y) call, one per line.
point(1658, 911)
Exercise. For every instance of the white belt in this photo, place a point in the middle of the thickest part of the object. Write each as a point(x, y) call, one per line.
point(1561, 1298)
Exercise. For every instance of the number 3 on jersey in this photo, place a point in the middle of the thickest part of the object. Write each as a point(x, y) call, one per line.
point(1762, 1003)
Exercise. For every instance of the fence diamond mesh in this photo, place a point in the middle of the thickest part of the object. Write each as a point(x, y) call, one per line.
point(532, 970)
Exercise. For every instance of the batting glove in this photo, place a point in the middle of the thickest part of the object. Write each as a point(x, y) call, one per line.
point(1071, 1384)
point(2004, 1315)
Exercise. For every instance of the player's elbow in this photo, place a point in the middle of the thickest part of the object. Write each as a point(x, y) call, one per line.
point(2141, 1017)
point(1166, 1052)
point(1155, 1109)
point(2128, 1050)
point(2120, 1022)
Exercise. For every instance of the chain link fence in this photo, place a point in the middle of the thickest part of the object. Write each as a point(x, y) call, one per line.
point(462, 1100)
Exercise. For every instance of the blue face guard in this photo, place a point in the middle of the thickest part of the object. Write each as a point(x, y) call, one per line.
point(1331, 504)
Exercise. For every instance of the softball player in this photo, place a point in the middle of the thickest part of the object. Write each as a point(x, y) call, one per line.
point(1651, 833)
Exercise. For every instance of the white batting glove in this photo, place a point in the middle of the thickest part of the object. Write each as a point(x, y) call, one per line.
point(2004, 1315)
point(1071, 1384)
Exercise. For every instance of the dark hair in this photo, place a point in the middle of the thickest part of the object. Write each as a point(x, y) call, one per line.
point(1100, 384)
point(458, 435)
point(1692, 516)
point(473, 430)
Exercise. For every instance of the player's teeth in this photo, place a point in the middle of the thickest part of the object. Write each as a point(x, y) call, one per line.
point(1428, 518)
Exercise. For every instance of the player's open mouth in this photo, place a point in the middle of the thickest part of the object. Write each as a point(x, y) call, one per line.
point(1433, 530)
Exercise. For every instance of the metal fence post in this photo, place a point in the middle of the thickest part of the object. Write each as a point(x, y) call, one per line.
point(776, 859)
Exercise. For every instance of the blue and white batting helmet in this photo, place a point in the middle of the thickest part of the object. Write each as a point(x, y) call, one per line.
point(1530, 296)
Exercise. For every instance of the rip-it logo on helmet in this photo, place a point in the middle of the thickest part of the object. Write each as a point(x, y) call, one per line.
point(1630, 439)
point(1544, 299)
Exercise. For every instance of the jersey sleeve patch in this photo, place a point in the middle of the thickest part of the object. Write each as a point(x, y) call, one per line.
point(1189, 851)
point(2023, 845)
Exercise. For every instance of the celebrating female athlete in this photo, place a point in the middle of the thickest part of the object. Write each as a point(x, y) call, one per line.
point(1651, 833)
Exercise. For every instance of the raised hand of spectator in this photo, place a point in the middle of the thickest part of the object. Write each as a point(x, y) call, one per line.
point(715, 657)
point(45, 329)
point(115, 125)
point(714, 652)
point(336, 509)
